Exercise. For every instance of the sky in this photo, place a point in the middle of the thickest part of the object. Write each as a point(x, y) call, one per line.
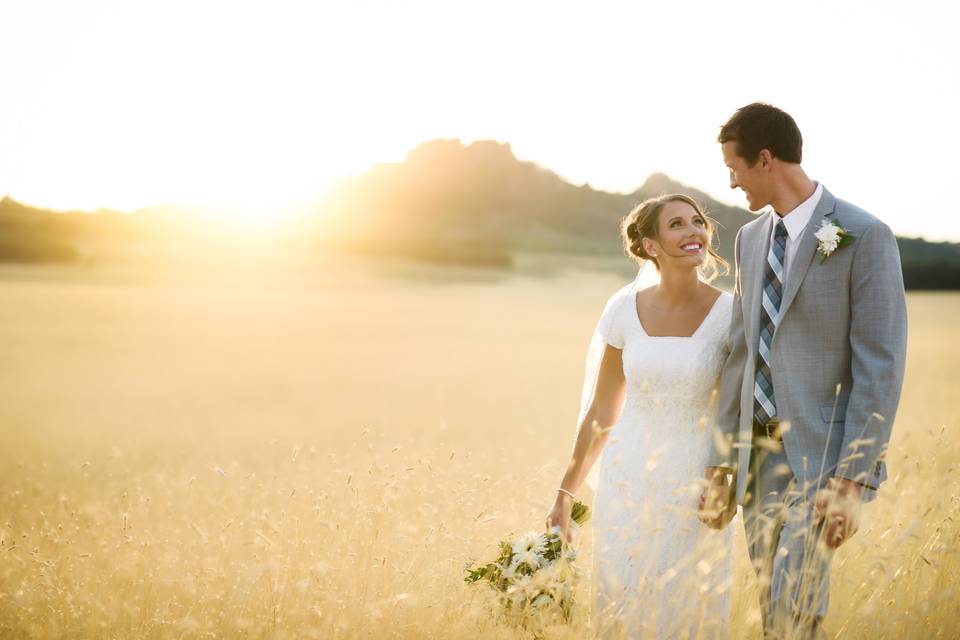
point(256, 106)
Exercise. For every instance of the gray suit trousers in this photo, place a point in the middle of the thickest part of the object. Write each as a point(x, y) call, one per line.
point(792, 566)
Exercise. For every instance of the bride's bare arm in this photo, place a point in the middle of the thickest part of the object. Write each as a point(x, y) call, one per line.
point(602, 414)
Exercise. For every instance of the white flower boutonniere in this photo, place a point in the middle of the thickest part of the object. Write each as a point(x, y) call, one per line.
point(830, 237)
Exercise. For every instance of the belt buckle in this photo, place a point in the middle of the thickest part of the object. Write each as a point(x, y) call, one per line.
point(771, 428)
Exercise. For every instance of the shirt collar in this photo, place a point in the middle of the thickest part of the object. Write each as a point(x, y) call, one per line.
point(796, 220)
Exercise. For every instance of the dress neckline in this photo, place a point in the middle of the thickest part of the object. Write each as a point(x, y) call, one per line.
point(636, 317)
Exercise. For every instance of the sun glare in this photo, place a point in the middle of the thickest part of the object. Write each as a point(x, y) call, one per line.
point(187, 103)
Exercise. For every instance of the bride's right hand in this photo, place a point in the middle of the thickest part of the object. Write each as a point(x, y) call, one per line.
point(559, 516)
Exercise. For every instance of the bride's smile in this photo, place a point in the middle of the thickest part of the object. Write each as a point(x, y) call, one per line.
point(681, 238)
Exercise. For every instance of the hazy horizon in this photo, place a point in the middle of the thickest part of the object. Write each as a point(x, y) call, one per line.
point(223, 212)
point(255, 108)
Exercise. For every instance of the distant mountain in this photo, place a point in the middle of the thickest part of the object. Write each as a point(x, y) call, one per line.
point(481, 203)
point(33, 235)
point(447, 203)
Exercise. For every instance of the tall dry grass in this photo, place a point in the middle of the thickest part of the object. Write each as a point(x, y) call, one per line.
point(317, 453)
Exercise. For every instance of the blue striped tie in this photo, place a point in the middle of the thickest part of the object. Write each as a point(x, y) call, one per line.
point(764, 406)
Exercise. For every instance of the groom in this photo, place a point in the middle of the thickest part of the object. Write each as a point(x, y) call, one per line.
point(811, 386)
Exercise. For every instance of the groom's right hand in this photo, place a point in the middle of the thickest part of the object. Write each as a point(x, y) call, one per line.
point(718, 502)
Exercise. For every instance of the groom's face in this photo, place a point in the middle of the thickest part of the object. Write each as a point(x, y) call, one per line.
point(751, 180)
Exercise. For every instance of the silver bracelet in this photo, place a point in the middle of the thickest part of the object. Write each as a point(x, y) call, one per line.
point(562, 490)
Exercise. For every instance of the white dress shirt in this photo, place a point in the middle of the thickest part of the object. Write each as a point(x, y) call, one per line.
point(795, 221)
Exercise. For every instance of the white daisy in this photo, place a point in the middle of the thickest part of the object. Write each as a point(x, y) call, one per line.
point(530, 558)
point(531, 541)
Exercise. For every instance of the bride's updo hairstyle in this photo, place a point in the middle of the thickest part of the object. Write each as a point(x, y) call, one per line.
point(643, 222)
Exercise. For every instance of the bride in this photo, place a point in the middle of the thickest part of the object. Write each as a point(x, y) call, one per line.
point(647, 406)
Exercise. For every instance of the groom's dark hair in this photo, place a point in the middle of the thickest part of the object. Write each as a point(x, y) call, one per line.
point(760, 126)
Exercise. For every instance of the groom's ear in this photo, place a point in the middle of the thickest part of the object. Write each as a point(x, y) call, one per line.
point(765, 158)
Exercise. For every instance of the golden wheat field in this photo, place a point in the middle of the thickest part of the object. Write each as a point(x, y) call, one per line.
point(315, 451)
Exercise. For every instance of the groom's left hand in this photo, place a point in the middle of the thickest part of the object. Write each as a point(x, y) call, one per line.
point(838, 506)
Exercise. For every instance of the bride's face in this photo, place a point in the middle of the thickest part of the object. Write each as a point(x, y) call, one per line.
point(682, 237)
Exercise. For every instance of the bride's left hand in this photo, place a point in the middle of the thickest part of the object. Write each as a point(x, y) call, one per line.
point(718, 502)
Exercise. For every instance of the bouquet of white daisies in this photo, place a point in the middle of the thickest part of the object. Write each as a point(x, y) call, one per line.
point(534, 573)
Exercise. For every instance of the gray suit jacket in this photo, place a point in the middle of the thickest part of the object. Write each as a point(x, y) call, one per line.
point(837, 354)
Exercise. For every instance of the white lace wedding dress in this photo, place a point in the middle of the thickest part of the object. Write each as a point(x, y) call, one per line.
point(657, 571)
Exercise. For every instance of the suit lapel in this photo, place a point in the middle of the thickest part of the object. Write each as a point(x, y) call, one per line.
point(754, 280)
point(805, 251)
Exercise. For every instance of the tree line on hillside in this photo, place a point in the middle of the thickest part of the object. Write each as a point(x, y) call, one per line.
point(447, 202)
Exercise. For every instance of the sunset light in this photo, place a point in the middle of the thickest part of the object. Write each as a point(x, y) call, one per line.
point(436, 319)
point(256, 107)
